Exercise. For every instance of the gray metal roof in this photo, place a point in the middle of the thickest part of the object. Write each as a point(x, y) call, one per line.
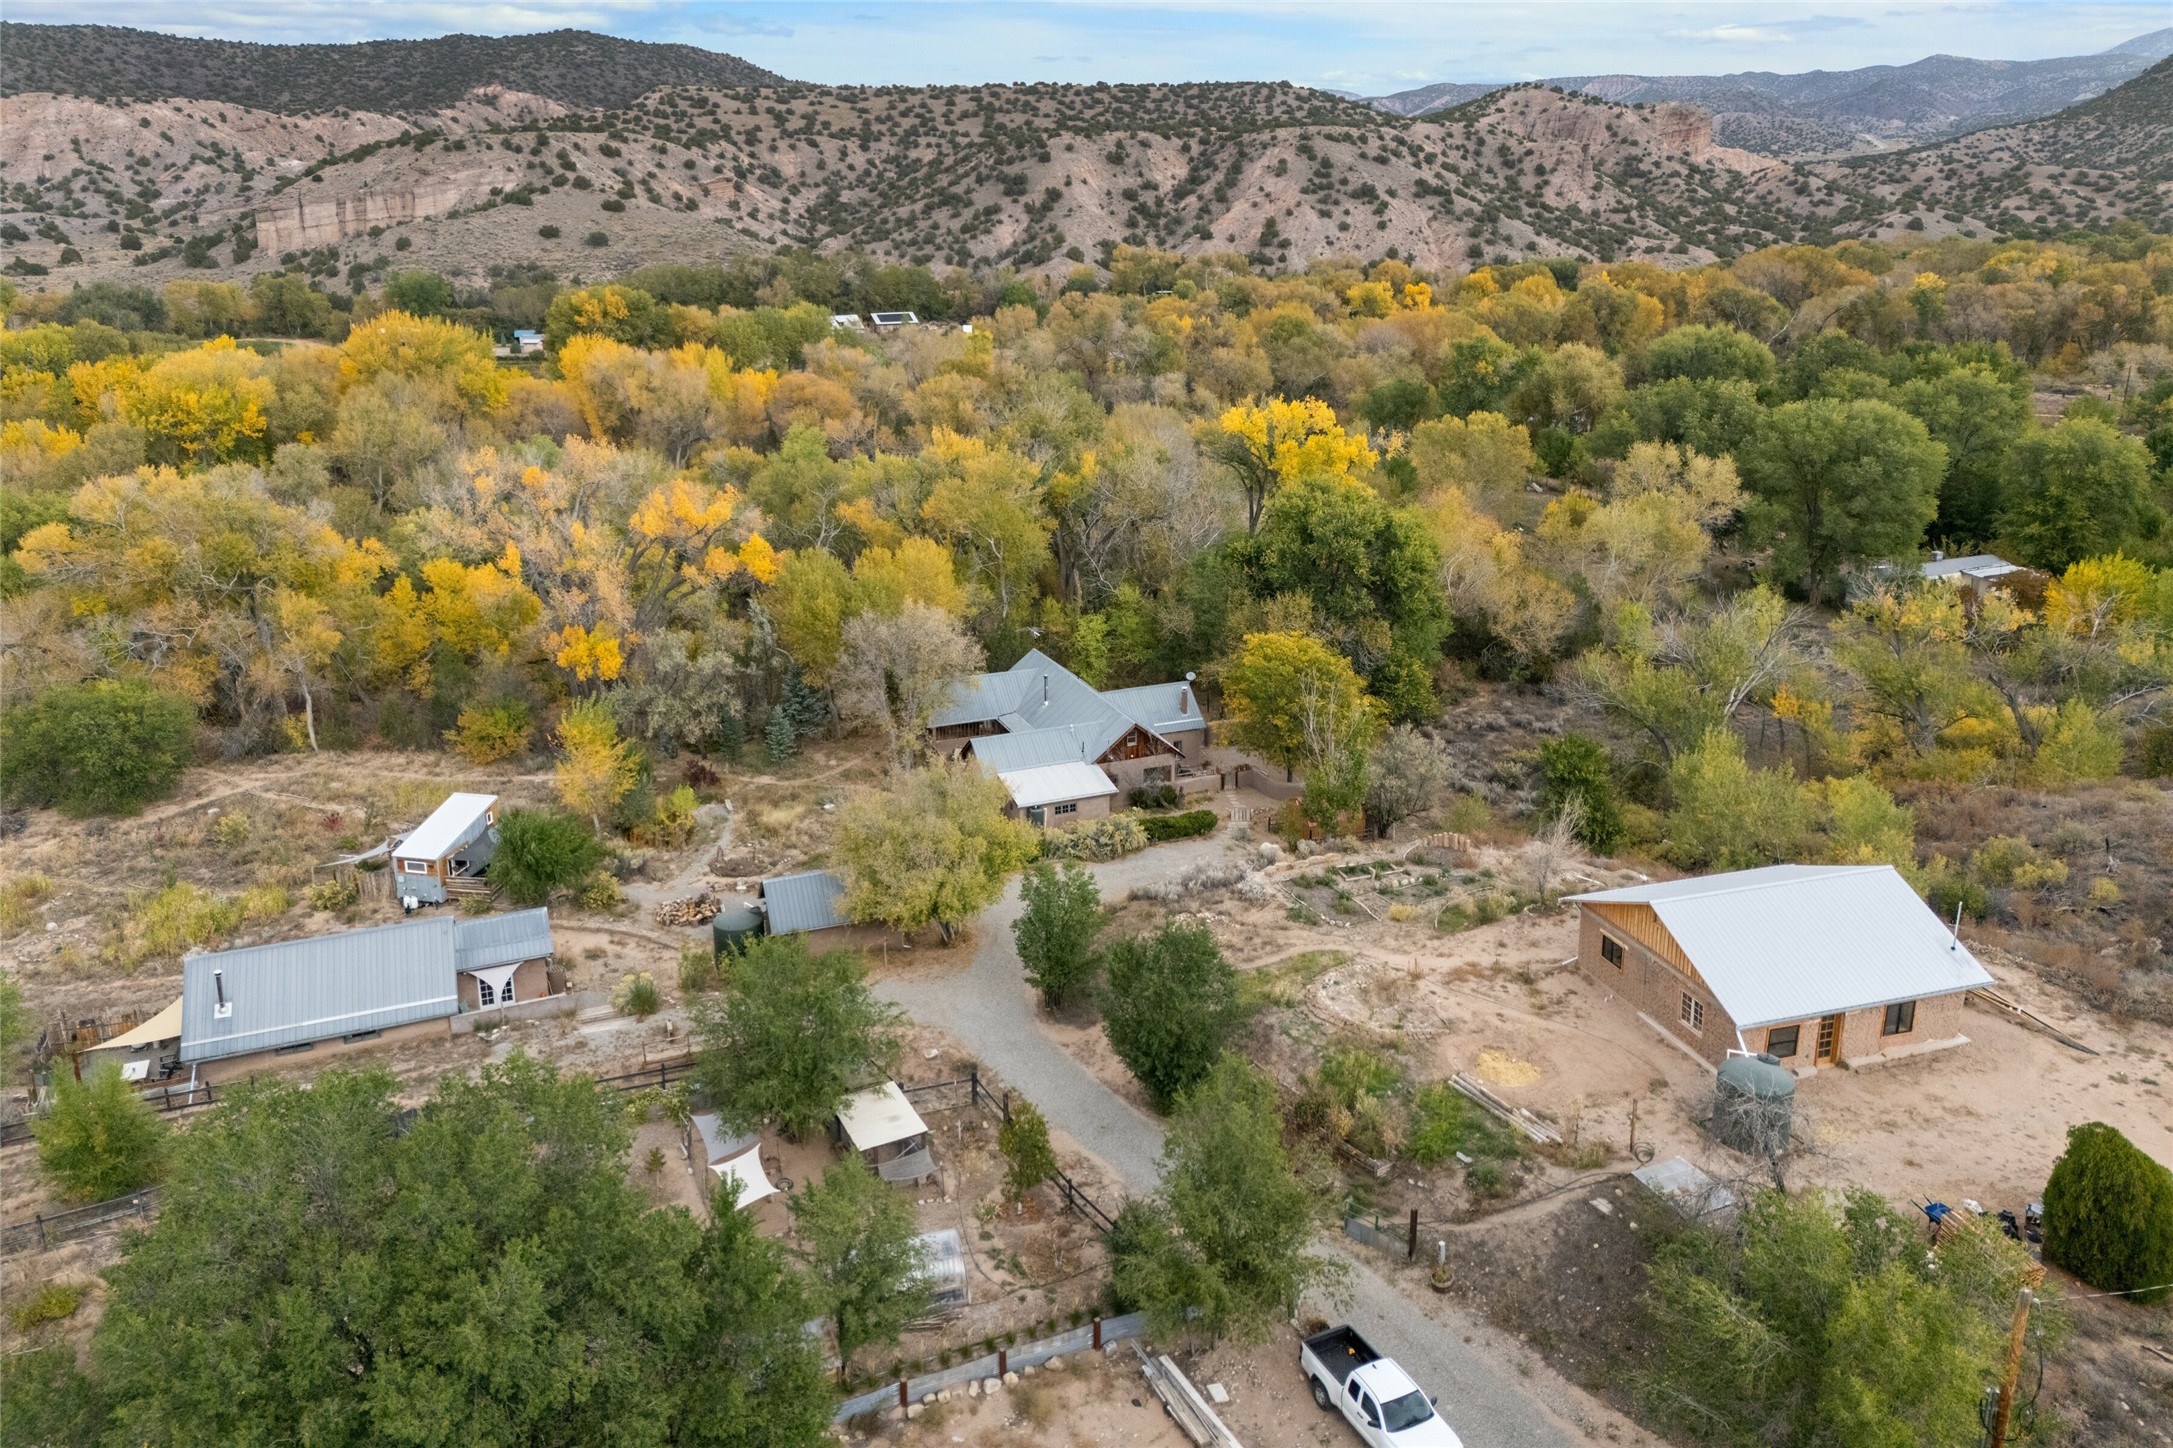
point(312, 990)
point(1002, 753)
point(451, 824)
point(492, 940)
point(1050, 715)
point(1056, 783)
point(1790, 942)
point(810, 900)
point(1161, 707)
point(1976, 565)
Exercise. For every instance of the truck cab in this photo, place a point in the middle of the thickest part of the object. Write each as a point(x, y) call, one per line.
point(1375, 1396)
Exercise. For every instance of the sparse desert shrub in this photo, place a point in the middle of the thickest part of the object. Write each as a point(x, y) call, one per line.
point(636, 995)
point(20, 896)
point(260, 903)
point(335, 893)
point(49, 1302)
point(1108, 838)
point(698, 971)
point(232, 830)
point(178, 917)
point(600, 891)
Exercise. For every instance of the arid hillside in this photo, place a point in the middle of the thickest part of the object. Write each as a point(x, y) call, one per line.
point(1039, 178)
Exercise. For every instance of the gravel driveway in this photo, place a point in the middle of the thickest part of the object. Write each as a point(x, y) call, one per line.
point(989, 1007)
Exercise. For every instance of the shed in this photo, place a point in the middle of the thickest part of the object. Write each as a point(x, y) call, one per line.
point(882, 1126)
point(1815, 964)
point(943, 1266)
point(448, 852)
point(809, 901)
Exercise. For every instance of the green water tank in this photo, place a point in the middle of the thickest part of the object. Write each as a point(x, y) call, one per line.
point(736, 925)
point(1754, 1101)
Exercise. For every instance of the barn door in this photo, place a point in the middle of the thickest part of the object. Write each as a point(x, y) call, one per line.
point(1829, 1039)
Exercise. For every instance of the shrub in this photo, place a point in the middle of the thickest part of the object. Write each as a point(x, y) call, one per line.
point(1157, 796)
point(1576, 770)
point(487, 733)
point(1169, 1008)
point(100, 1139)
point(1024, 1141)
point(260, 903)
point(548, 232)
point(1108, 838)
point(19, 899)
point(335, 893)
point(2155, 754)
point(541, 852)
point(596, 238)
point(232, 830)
point(636, 995)
point(600, 891)
point(51, 1302)
point(1056, 930)
point(1440, 1116)
point(99, 748)
point(2109, 1214)
point(1159, 828)
point(698, 970)
point(180, 916)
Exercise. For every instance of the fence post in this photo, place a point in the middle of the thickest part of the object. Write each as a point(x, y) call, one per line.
point(1410, 1250)
point(901, 1393)
point(39, 1218)
point(1003, 1361)
point(1097, 1334)
point(1007, 1106)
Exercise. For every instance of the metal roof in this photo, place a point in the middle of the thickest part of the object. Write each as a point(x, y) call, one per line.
point(492, 940)
point(449, 825)
point(879, 1116)
point(1789, 942)
point(1002, 753)
point(1039, 696)
point(311, 990)
point(1976, 565)
point(1054, 783)
point(811, 900)
point(1161, 707)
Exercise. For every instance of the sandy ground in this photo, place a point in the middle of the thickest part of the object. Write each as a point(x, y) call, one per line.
point(1089, 1401)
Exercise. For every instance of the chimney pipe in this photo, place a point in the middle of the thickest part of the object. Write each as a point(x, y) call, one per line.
point(1044, 691)
point(218, 984)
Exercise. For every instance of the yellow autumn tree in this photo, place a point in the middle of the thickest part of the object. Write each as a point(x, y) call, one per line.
point(596, 768)
point(425, 349)
point(205, 405)
point(1269, 444)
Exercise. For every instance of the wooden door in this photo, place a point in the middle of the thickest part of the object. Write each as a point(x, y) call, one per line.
point(1829, 1040)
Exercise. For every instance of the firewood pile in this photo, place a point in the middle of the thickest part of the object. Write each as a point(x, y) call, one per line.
point(688, 910)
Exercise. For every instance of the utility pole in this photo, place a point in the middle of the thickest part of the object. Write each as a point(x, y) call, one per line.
point(2013, 1368)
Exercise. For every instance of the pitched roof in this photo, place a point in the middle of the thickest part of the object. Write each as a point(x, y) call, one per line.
point(1976, 565)
point(1050, 715)
point(447, 826)
point(1789, 942)
point(1161, 707)
point(810, 900)
point(293, 991)
point(1055, 783)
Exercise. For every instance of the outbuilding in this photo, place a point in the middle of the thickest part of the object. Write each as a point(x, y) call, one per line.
point(447, 853)
point(1815, 965)
point(810, 903)
point(889, 1135)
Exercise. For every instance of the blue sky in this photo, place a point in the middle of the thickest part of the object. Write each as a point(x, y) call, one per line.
point(1366, 47)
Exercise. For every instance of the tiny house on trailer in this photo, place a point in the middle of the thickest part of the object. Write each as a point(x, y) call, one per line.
point(447, 853)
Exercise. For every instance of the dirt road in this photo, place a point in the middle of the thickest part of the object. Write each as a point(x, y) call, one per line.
point(988, 1006)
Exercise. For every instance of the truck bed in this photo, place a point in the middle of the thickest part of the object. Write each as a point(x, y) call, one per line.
point(1340, 1351)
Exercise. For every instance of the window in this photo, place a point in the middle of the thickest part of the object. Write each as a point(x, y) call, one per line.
point(353, 1036)
point(414, 867)
point(505, 992)
point(1782, 1041)
point(1693, 1012)
point(296, 1049)
point(1611, 951)
point(1900, 1019)
point(1072, 808)
point(484, 993)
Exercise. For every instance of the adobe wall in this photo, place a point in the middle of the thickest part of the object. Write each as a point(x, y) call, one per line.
point(1649, 984)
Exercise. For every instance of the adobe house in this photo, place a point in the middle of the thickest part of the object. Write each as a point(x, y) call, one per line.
point(1813, 964)
point(447, 853)
point(1066, 751)
point(243, 1009)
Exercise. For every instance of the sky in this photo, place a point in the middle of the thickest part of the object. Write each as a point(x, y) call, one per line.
point(1368, 46)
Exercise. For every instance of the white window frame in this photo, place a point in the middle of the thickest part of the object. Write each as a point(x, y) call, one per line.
point(1693, 1013)
point(415, 867)
point(484, 995)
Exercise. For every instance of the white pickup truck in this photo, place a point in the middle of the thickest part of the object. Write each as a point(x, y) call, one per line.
point(1376, 1397)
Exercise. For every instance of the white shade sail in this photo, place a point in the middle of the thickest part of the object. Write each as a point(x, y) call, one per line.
point(494, 980)
point(745, 1173)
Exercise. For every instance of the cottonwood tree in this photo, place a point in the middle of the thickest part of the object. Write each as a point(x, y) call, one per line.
point(1675, 679)
point(596, 768)
point(792, 1035)
point(1837, 484)
point(934, 847)
point(1290, 696)
point(862, 1247)
point(894, 672)
point(1056, 929)
point(100, 1140)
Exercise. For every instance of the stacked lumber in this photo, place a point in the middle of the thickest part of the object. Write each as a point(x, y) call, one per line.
point(688, 910)
point(1517, 1116)
point(1186, 1405)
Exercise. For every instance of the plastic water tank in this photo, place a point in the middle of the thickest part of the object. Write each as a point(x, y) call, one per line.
point(736, 925)
point(1754, 1099)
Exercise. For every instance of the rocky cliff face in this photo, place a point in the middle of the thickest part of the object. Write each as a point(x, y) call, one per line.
point(327, 221)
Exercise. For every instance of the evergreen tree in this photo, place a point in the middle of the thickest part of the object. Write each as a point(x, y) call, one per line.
point(2109, 1214)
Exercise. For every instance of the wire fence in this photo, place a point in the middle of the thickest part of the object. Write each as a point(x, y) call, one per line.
point(50, 1229)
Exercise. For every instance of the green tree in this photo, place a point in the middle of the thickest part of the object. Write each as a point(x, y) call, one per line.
point(420, 293)
point(1056, 931)
point(1707, 353)
point(50, 1402)
point(1405, 775)
point(1363, 564)
point(1024, 1141)
point(934, 847)
point(2109, 1214)
point(1575, 769)
point(1729, 816)
point(862, 1246)
point(750, 1375)
point(1169, 1008)
point(16, 1028)
point(1230, 1232)
point(541, 852)
point(1836, 484)
point(1977, 414)
point(108, 747)
point(1280, 688)
point(793, 1034)
point(2080, 490)
point(100, 1140)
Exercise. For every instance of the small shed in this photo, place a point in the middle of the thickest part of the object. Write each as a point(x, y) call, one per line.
point(804, 904)
point(1059, 793)
point(447, 853)
point(882, 1126)
point(150, 1052)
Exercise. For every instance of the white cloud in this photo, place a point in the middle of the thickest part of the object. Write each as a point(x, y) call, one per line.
point(1739, 35)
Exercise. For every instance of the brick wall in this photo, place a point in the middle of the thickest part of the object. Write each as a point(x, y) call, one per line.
point(1647, 983)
